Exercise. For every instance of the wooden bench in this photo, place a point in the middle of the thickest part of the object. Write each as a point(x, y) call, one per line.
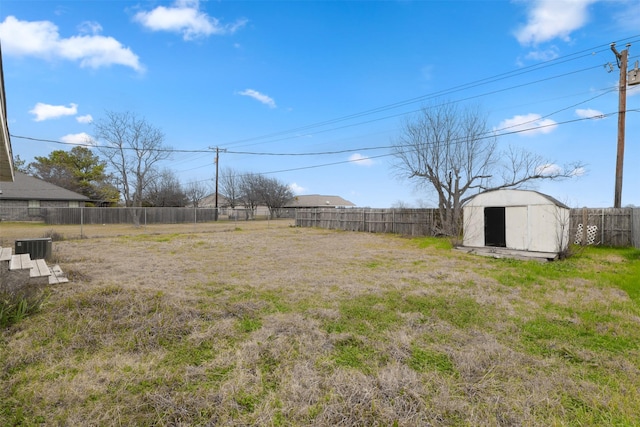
point(39, 269)
point(5, 254)
point(57, 276)
point(20, 262)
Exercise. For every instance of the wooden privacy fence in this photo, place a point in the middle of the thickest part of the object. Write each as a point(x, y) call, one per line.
point(605, 226)
point(613, 227)
point(410, 222)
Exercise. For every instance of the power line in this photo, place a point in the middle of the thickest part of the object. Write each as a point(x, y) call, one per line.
point(88, 145)
point(486, 136)
point(493, 79)
point(404, 113)
point(493, 133)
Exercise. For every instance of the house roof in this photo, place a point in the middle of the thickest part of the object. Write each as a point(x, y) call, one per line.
point(6, 157)
point(318, 200)
point(26, 187)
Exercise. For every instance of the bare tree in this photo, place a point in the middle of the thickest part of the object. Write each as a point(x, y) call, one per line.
point(273, 193)
point(131, 147)
point(249, 195)
point(196, 191)
point(164, 190)
point(231, 186)
point(453, 152)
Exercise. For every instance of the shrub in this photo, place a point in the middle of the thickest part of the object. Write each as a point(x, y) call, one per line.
point(14, 308)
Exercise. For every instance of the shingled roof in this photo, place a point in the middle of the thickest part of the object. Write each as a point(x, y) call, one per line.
point(26, 187)
point(317, 200)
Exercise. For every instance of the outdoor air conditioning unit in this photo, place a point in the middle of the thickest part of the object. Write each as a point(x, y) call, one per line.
point(36, 248)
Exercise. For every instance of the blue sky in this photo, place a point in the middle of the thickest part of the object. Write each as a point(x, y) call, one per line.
point(258, 78)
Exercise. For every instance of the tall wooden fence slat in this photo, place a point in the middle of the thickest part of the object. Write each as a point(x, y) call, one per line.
point(635, 228)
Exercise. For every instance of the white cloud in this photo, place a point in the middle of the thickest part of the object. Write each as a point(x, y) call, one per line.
point(266, 100)
point(548, 169)
point(185, 17)
point(588, 113)
point(41, 39)
point(578, 172)
point(554, 169)
point(90, 27)
point(361, 160)
point(84, 119)
point(296, 188)
point(46, 111)
point(543, 55)
point(550, 19)
point(78, 139)
point(528, 124)
point(627, 17)
point(633, 90)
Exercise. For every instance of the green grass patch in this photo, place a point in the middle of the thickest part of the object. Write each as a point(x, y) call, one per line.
point(186, 353)
point(159, 238)
point(373, 314)
point(440, 243)
point(426, 360)
point(617, 267)
point(595, 330)
point(460, 311)
point(366, 315)
point(249, 324)
point(354, 353)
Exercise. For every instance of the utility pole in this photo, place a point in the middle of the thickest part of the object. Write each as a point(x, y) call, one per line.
point(217, 161)
point(621, 59)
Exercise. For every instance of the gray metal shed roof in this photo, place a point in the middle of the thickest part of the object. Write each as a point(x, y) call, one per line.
point(503, 191)
point(25, 187)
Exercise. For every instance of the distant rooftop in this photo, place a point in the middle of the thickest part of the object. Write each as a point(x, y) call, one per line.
point(317, 200)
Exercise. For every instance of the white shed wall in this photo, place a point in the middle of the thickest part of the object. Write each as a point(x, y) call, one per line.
point(551, 225)
point(473, 226)
point(516, 220)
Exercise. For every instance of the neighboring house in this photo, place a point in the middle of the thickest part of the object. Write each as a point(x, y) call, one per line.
point(516, 220)
point(6, 157)
point(314, 201)
point(24, 198)
point(225, 208)
point(298, 202)
point(210, 201)
point(318, 201)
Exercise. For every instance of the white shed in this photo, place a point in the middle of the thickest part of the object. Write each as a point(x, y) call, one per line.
point(519, 220)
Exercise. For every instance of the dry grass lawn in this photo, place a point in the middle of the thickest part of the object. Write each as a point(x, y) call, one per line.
point(266, 324)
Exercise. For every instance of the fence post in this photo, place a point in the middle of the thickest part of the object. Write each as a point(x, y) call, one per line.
point(81, 221)
point(364, 220)
point(393, 221)
point(602, 228)
point(585, 218)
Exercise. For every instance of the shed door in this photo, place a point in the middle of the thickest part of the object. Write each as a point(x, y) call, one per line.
point(494, 227)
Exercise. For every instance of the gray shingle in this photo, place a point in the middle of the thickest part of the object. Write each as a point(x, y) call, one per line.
point(26, 187)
